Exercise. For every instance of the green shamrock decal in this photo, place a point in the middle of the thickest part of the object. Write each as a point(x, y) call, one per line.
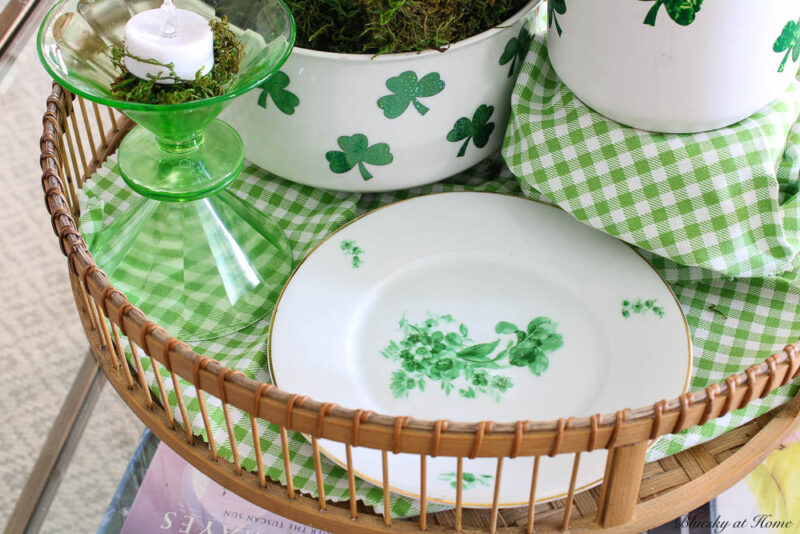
point(275, 86)
point(681, 11)
point(553, 7)
point(516, 50)
point(356, 151)
point(478, 129)
point(788, 40)
point(440, 349)
point(407, 90)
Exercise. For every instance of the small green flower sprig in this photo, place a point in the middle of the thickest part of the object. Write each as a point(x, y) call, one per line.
point(440, 349)
point(641, 307)
point(227, 60)
point(350, 248)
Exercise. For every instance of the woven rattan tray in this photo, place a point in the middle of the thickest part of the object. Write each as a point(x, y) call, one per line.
point(79, 136)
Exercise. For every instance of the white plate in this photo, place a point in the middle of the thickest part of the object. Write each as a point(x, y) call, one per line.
point(478, 268)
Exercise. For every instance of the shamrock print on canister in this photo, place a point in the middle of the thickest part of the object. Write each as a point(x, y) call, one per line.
point(674, 66)
point(516, 50)
point(682, 12)
point(553, 7)
point(789, 41)
point(478, 130)
point(356, 151)
point(276, 88)
point(408, 90)
point(409, 102)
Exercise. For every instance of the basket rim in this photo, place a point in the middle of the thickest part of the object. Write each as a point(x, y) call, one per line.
point(573, 434)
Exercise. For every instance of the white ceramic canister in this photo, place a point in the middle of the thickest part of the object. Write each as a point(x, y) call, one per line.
point(675, 66)
point(354, 122)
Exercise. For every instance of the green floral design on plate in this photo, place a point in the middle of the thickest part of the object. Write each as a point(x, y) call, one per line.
point(439, 349)
point(681, 11)
point(357, 152)
point(553, 7)
point(516, 50)
point(350, 248)
point(479, 129)
point(408, 90)
point(641, 307)
point(275, 87)
point(469, 480)
point(789, 41)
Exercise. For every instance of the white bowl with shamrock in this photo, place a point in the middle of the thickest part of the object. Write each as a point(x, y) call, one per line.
point(356, 122)
point(675, 66)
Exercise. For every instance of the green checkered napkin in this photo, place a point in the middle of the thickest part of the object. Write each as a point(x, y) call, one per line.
point(722, 200)
point(719, 205)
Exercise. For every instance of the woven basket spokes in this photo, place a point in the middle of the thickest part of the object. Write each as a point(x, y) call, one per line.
point(79, 136)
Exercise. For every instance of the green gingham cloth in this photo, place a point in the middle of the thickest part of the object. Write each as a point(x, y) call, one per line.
point(722, 200)
point(717, 213)
point(306, 215)
point(735, 322)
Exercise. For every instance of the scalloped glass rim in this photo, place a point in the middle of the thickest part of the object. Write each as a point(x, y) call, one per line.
point(138, 106)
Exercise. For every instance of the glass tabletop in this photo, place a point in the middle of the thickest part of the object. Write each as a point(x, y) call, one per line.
point(62, 462)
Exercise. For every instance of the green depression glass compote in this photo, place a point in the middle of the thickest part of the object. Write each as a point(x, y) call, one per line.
point(190, 254)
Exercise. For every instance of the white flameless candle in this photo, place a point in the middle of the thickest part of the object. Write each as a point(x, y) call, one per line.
point(169, 35)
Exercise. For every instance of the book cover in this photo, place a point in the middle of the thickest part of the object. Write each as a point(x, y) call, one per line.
point(175, 498)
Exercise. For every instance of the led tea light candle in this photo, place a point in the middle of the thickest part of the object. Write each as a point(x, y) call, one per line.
point(168, 35)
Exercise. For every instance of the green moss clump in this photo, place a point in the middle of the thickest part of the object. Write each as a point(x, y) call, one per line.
point(391, 26)
point(227, 59)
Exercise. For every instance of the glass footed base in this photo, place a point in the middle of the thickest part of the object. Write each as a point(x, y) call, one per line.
point(181, 172)
point(200, 269)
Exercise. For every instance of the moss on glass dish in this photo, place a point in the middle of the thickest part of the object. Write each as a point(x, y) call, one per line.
point(227, 59)
point(392, 26)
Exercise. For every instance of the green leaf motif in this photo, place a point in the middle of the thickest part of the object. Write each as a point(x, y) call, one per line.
point(478, 130)
point(275, 87)
point(401, 384)
point(539, 365)
point(468, 480)
point(408, 90)
point(435, 349)
point(553, 7)
point(516, 50)
point(478, 353)
point(681, 11)
point(505, 328)
point(357, 152)
point(789, 41)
